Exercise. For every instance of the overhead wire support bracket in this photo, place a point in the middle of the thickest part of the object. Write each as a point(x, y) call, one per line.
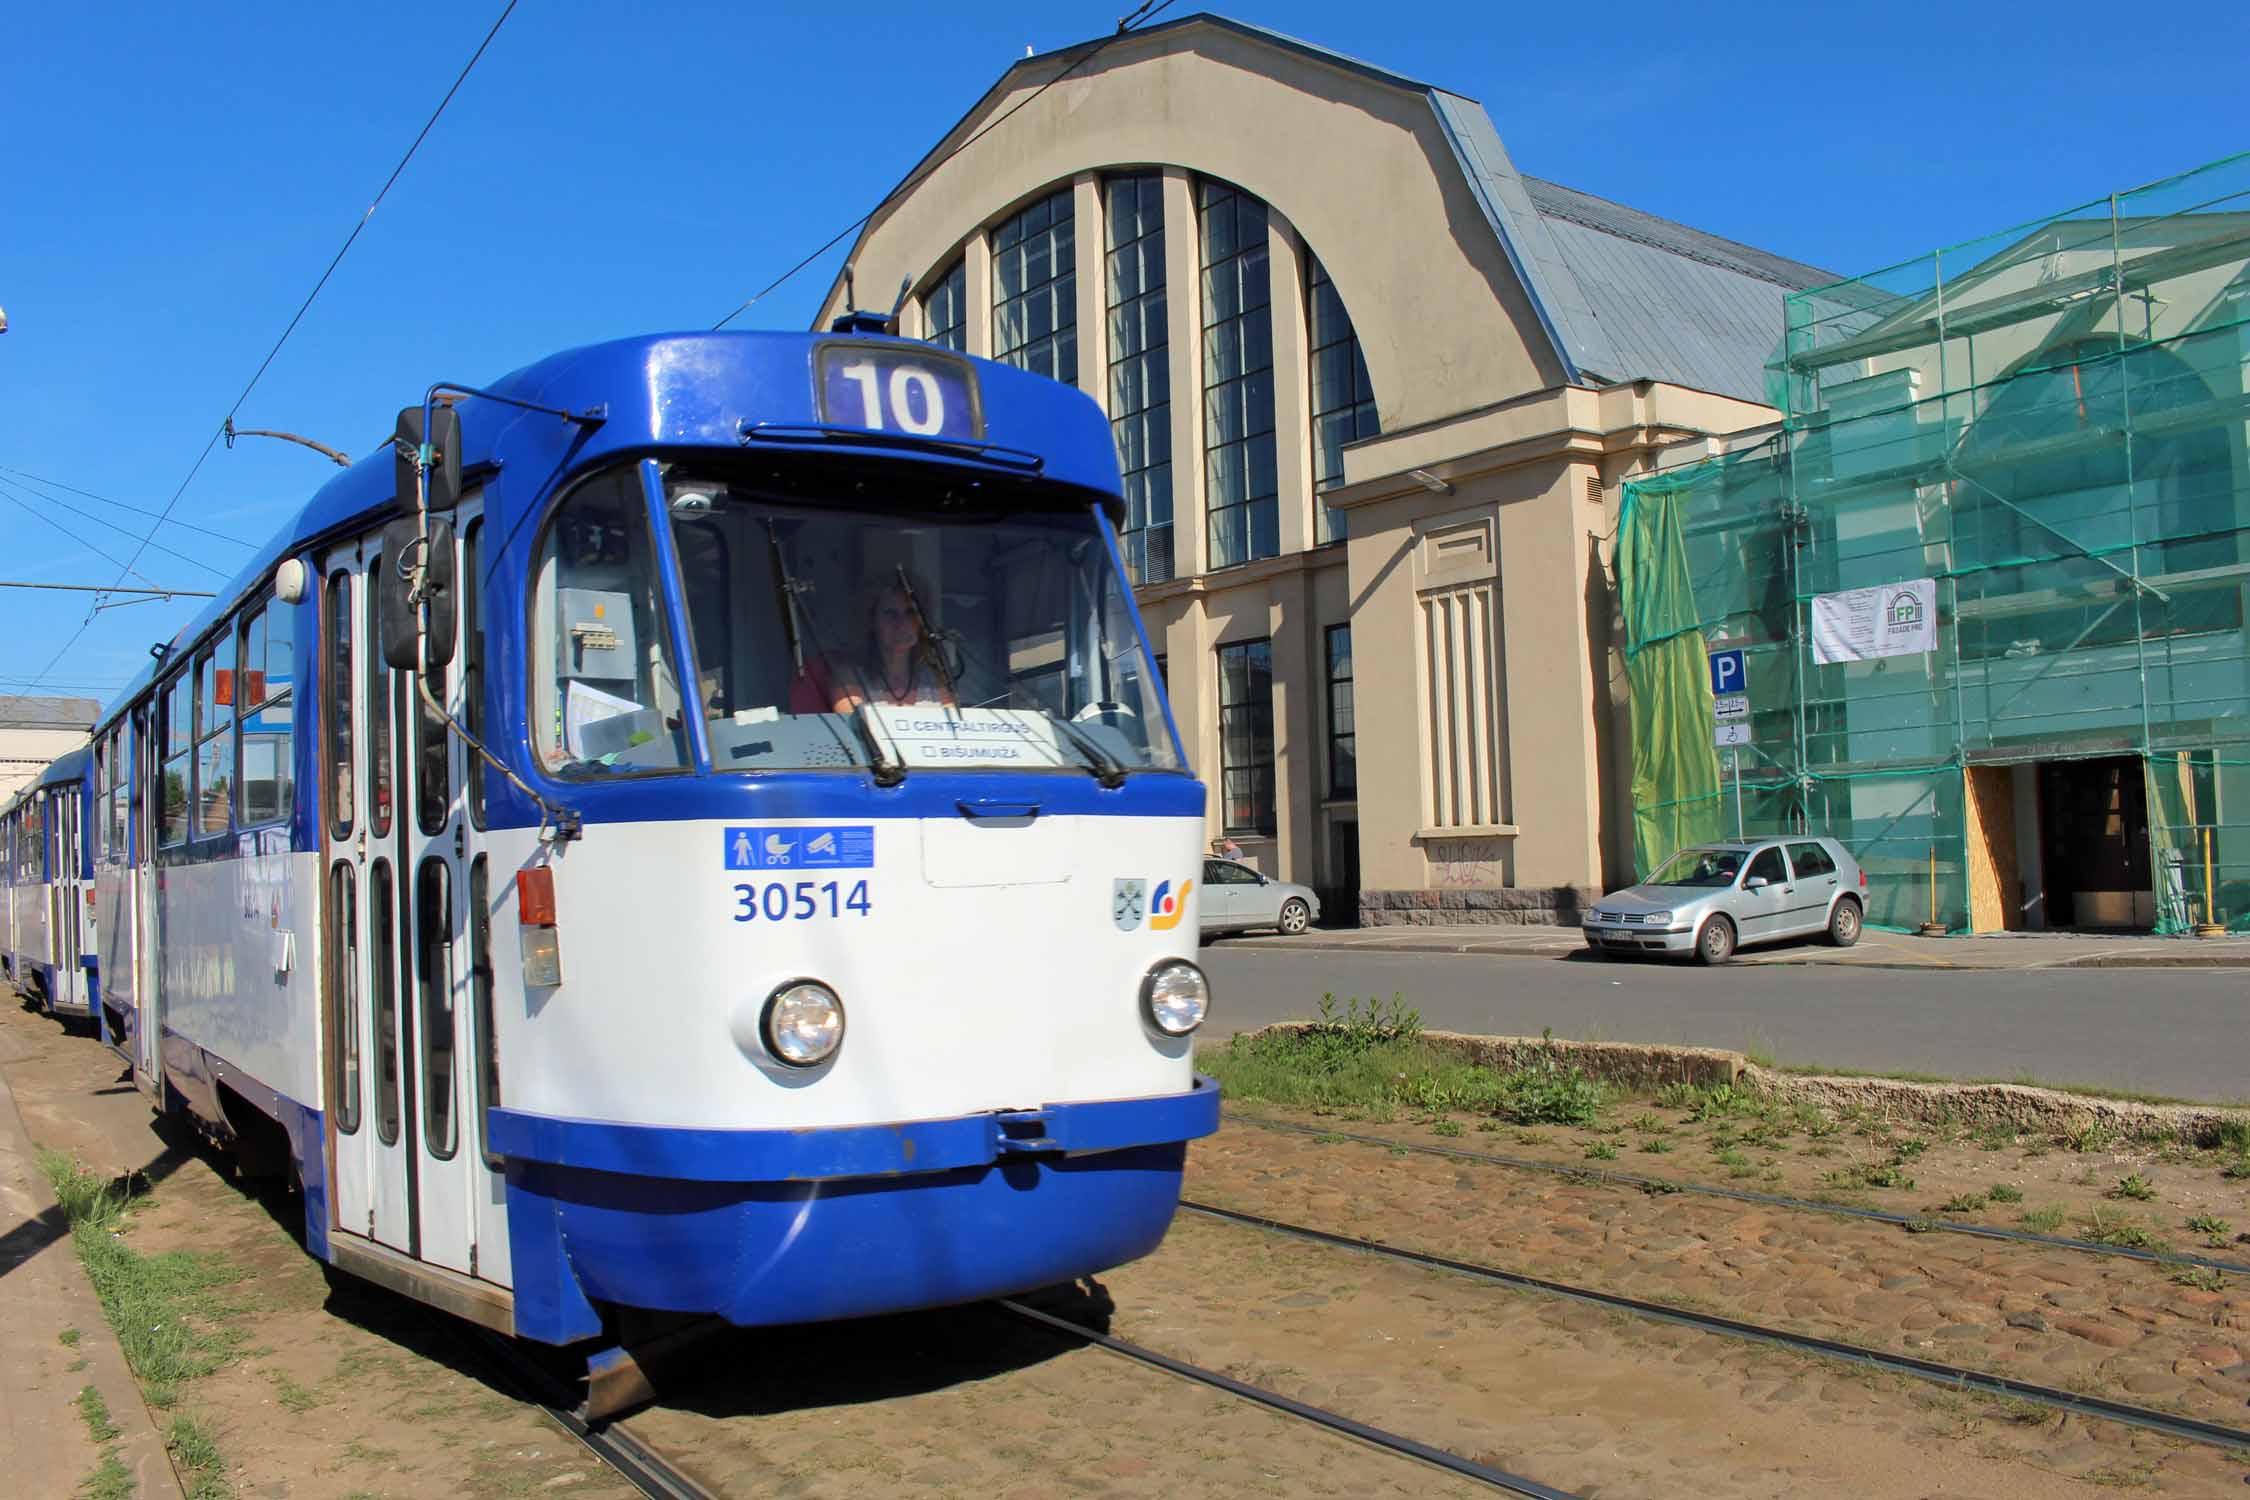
point(334, 456)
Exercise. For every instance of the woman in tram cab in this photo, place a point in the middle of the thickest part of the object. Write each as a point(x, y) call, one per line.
point(894, 663)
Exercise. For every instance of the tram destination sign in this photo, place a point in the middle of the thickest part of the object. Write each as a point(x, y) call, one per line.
point(910, 392)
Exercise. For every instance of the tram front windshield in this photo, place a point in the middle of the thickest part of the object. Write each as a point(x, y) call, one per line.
point(845, 617)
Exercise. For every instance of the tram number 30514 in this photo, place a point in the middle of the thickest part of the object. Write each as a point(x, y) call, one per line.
point(779, 901)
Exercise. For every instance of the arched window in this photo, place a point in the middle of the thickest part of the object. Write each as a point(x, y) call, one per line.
point(1140, 372)
point(1241, 495)
point(1035, 289)
point(945, 311)
point(1343, 403)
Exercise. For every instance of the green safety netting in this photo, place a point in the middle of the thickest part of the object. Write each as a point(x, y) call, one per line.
point(2052, 424)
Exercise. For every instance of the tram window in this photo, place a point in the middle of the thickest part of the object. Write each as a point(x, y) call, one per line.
point(472, 662)
point(138, 776)
point(343, 995)
point(214, 738)
point(433, 758)
point(336, 689)
point(433, 983)
point(605, 696)
point(382, 973)
point(268, 724)
point(376, 711)
point(480, 995)
point(179, 740)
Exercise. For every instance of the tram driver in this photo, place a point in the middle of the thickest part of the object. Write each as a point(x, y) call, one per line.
point(897, 658)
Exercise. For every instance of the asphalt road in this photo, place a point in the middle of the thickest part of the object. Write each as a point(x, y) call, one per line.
point(2176, 1032)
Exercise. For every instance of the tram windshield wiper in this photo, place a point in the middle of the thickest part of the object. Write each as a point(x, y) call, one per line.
point(1107, 768)
point(888, 771)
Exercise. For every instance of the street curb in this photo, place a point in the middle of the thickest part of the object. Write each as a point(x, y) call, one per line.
point(139, 1446)
point(1755, 960)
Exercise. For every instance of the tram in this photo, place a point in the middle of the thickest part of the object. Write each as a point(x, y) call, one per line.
point(50, 924)
point(693, 828)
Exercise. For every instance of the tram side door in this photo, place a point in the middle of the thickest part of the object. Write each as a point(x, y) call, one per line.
point(370, 1115)
point(440, 844)
point(148, 1024)
point(65, 897)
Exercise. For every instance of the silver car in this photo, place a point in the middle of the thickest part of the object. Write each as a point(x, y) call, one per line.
point(1236, 896)
point(1710, 899)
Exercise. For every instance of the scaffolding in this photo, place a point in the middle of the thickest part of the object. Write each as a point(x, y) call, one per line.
point(2051, 426)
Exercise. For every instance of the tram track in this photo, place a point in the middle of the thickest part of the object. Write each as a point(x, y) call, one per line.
point(1391, 1442)
point(609, 1441)
point(1954, 1377)
point(1918, 1223)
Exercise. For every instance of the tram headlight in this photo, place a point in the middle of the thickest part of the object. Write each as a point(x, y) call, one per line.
point(1175, 997)
point(803, 1023)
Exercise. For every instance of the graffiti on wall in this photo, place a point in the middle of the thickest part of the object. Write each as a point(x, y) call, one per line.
point(1468, 862)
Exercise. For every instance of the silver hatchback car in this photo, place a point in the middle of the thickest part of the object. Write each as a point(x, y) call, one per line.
point(1710, 899)
point(1236, 897)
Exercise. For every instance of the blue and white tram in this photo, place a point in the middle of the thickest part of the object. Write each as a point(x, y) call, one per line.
point(51, 918)
point(772, 899)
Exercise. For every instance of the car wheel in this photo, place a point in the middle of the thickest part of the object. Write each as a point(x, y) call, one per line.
point(1715, 943)
point(1295, 917)
point(1843, 924)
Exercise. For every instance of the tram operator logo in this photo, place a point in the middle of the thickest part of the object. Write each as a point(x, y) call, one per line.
point(1165, 911)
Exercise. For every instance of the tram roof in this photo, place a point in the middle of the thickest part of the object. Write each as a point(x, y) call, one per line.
point(70, 766)
point(665, 390)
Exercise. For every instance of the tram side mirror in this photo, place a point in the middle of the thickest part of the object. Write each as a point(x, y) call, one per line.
point(403, 539)
point(445, 469)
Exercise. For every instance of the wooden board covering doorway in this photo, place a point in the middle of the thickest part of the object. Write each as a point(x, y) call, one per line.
point(1995, 882)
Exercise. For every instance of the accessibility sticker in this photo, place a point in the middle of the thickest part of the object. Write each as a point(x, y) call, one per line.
point(841, 847)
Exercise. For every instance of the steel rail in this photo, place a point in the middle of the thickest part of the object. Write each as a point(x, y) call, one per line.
point(617, 1448)
point(1467, 1468)
point(1917, 1222)
point(1955, 1376)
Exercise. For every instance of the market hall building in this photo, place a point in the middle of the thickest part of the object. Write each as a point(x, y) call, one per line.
point(1374, 392)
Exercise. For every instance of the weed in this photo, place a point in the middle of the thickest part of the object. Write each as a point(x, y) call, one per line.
point(2214, 1230)
point(1720, 1100)
point(2002, 1193)
point(95, 1410)
point(199, 1459)
point(2238, 1168)
point(111, 1480)
point(2042, 1220)
point(1656, 1146)
point(2089, 1136)
point(68, 1338)
point(2202, 1278)
point(1647, 1124)
point(1526, 1137)
point(1922, 1226)
point(1601, 1151)
point(164, 1308)
point(1963, 1203)
point(1730, 1158)
point(1871, 1174)
point(292, 1393)
point(2134, 1186)
point(1492, 1127)
point(1996, 1138)
point(1678, 1096)
point(1330, 1138)
point(2108, 1227)
point(1445, 1127)
point(1906, 1150)
point(2230, 1135)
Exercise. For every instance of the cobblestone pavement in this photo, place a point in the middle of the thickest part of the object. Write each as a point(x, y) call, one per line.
point(2115, 1328)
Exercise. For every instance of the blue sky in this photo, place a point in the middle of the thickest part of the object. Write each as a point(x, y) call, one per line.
point(176, 177)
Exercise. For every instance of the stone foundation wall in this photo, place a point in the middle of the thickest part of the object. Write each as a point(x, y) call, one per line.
point(1541, 906)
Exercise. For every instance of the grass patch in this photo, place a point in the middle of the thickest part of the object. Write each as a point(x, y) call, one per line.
point(2134, 1186)
point(68, 1338)
point(198, 1457)
point(1729, 1157)
point(95, 1410)
point(2042, 1220)
point(1370, 1057)
point(110, 1480)
point(2109, 1227)
point(2213, 1229)
point(1884, 1174)
point(294, 1394)
point(1656, 1146)
point(2002, 1193)
point(1602, 1151)
point(1963, 1203)
point(2202, 1278)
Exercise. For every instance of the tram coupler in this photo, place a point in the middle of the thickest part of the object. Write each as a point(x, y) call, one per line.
point(617, 1379)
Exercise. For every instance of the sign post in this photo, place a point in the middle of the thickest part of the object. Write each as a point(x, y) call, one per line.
point(1730, 717)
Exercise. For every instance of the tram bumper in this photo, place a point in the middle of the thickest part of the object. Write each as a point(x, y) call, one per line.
point(777, 1226)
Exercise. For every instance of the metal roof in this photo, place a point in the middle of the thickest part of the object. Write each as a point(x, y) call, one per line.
point(48, 713)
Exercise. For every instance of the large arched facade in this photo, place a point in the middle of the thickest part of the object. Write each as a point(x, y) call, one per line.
point(1366, 414)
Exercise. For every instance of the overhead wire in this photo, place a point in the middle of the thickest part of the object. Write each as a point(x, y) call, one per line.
point(1126, 26)
point(38, 484)
point(18, 491)
point(263, 365)
point(76, 539)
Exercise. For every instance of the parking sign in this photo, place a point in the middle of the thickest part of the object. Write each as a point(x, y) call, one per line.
point(1727, 675)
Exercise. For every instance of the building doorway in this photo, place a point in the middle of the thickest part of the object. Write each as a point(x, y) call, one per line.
point(2094, 855)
